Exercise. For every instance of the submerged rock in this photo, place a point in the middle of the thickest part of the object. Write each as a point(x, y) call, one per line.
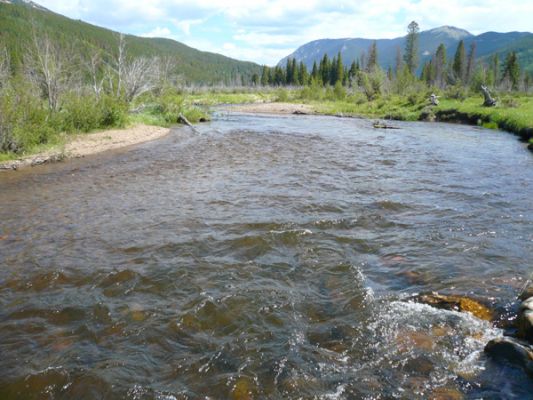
point(512, 351)
point(456, 303)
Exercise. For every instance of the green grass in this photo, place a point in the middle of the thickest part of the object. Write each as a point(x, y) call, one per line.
point(514, 115)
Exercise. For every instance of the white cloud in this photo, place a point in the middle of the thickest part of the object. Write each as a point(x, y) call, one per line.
point(266, 30)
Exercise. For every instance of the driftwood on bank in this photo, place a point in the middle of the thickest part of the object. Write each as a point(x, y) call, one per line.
point(183, 120)
point(489, 100)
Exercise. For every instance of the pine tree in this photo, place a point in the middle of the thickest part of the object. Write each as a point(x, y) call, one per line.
point(512, 70)
point(411, 47)
point(333, 71)
point(471, 63)
point(289, 73)
point(324, 69)
point(440, 65)
point(353, 72)
point(372, 57)
point(265, 76)
point(294, 70)
point(339, 69)
point(459, 64)
point(428, 72)
point(303, 75)
point(279, 76)
point(314, 72)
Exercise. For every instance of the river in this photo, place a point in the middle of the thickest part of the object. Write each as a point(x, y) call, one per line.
point(266, 257)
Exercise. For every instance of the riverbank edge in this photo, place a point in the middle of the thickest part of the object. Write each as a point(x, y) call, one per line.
point(428, 114)
point(83, 145)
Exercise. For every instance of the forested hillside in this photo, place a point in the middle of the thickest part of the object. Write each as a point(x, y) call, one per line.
point(19, 21)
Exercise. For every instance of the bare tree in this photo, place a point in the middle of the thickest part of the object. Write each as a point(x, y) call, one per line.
point(121, 61)
point(94, 66)
point(5, 67)
point(47, 67)
point(140, 75)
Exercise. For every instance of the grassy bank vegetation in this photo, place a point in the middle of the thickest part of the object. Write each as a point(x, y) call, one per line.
point(513, 112)
point(55, 96)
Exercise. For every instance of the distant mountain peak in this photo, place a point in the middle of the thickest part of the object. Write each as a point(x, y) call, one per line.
point(450, 31)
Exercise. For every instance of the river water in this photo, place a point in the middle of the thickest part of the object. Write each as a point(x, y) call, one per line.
point(266, 257)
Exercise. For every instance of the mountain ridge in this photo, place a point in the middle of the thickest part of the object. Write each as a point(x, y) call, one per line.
point(488, 44)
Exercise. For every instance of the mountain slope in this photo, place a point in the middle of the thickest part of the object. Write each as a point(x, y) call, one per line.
point(196, 66)
point(487, 44)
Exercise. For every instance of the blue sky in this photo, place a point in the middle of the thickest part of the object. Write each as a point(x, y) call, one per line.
point(265, 31)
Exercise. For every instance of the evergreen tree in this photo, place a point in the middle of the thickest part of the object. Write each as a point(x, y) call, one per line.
point(333, 71)
point(471, 63)
point(324, 69)
point(303, 75)
point(372, 57)
point(279, 76)
point(289, 73)
point(425, 75)
point(314, 72)
point(440, 65)
point(265, 76)
point(339, 70)
point(512, 70)
point(295, 75)
point(459, 62)
point(411, 47)
point(352, 73)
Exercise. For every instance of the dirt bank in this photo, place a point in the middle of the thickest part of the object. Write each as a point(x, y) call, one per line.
point(92, 143)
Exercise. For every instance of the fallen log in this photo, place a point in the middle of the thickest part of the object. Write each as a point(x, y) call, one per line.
point(183, 120)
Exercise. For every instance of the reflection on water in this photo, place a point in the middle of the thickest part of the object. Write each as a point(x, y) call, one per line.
point(267, 257)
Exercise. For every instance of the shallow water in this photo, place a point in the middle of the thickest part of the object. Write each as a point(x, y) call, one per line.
point(266, 257)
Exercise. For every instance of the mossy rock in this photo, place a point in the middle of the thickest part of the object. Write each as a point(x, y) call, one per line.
point(456, 303)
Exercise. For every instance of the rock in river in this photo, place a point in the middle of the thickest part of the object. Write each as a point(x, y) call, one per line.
point(512, 351)
point(456, 303)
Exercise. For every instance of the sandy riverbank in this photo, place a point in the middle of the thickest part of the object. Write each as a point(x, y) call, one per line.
point(271, 108)
point(92, 143)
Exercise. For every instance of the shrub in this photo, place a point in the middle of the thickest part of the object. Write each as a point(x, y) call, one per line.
point(25, 120)
point(87, 113)
point(282, 95)
point(456, 92)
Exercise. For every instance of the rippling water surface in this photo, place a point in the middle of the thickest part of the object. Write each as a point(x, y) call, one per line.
point(266, 257)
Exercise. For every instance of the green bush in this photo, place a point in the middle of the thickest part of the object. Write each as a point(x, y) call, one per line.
point(87, 113)
point(25, 120)
point(456, 92)
point(282, 95)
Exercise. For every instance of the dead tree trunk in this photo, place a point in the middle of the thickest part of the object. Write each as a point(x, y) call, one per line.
point(489, 100)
